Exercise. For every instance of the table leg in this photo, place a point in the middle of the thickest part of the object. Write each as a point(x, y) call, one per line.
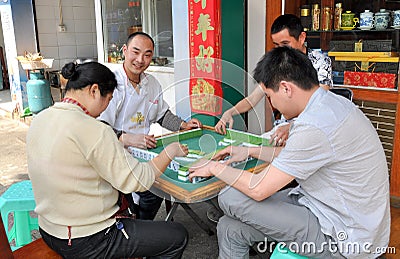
point(168, 205)
point(197, 219)
point(171, 212)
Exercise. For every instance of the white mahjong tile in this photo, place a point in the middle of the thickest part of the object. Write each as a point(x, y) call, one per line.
point(183, 173)
point(183, 178)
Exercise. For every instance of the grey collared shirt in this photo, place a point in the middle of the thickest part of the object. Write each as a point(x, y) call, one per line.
point(336, 156)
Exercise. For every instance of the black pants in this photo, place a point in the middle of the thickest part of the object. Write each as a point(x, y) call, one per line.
point(149, 204)
point(150, 239)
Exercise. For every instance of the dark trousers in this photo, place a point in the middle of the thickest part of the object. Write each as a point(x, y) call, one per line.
point(150, 239)
point(149, 204)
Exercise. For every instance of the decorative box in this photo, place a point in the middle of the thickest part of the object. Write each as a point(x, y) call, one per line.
point(380, 80)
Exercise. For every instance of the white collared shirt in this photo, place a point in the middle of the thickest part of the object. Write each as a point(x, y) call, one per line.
point(132, 111)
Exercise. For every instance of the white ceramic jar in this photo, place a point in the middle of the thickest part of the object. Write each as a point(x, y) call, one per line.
point(366, 20)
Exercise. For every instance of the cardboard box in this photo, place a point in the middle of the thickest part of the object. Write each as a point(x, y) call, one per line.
point(30, 65)
point(380, 80)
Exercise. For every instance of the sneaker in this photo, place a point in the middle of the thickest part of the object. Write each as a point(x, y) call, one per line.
point(213, 214)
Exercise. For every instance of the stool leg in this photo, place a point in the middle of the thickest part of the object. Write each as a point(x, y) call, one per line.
point(23, 233)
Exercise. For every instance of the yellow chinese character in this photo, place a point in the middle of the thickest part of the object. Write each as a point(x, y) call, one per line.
point(203, 26)
point(202, 87)
point(203, 3)
point(205, 61)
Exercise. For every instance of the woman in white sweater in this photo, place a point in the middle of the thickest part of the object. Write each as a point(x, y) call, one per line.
point(78, 169)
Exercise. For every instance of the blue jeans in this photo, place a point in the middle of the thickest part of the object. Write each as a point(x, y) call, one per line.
point(150, 239)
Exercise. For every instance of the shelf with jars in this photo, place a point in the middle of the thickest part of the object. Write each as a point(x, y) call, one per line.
point(380, 105)
point(329, 19)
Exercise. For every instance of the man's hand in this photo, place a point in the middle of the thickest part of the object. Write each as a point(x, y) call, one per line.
point(281, 134)
point(221, 125)
point(192, 124)
point(236, 154)
point(142, 141)
point(202, 168)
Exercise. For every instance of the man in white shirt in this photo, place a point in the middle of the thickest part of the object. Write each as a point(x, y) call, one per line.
point(137, 103)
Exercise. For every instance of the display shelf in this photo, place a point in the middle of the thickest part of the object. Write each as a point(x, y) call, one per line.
point(356, 30)
point(369, 99)
point(365, 56)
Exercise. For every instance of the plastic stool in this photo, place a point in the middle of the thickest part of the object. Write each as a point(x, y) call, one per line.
point(281, 252)
point(19, 199)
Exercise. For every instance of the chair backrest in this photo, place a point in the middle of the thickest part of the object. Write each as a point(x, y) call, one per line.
point(5, 250)
point(345, 92)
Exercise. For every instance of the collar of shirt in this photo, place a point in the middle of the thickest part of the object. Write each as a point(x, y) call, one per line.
point(73, 101)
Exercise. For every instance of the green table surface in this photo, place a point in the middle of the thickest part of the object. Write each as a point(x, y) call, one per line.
point(208, 143)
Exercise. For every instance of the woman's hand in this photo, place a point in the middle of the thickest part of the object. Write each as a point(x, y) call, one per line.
point(176, 149)
point(142, 141)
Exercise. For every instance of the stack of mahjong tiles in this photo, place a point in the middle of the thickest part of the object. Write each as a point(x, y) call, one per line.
point(185, 162)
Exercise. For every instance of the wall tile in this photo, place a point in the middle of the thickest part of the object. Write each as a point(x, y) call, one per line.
point(49, 52)
point(79, 19)
point(87, 3)
point(84, 25)
point(84, 39)
point(48, 40)
point(46, 3)
point(85, 51)
point(82, 13)
point(67, 12)
point(67, 52)
point(66, 39)
point(46, 13)
point(46, 26)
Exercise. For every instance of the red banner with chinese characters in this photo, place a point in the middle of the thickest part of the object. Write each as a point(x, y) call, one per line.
point(205, 56)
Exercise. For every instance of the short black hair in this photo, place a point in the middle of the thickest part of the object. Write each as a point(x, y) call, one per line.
point(286, 64)
point(290, 22)
point(133, 35)
point(82, 75)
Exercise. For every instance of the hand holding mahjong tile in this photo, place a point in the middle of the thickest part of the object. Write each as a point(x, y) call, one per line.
point(236, 154)
point(201, 169)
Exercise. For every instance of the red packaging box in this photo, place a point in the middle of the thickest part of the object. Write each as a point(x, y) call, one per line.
point(381, 80)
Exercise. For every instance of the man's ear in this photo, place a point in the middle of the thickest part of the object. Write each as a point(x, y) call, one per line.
point(286, 88)
point(302, 37)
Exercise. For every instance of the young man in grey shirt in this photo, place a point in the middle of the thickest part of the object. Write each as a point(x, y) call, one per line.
point(340, 209)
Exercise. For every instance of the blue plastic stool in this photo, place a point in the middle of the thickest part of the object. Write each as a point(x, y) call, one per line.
point(281, 252)
point(19, 199)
